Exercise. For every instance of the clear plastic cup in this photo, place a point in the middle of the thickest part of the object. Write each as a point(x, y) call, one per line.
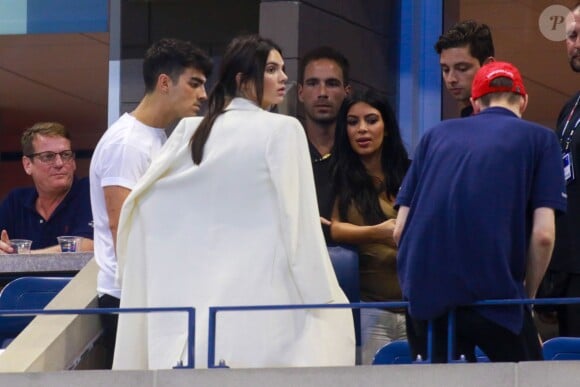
point(21, 246)
point(69, 244)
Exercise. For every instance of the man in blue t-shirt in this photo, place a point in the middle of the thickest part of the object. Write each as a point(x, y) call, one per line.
point(57, 205)
point(476, 222)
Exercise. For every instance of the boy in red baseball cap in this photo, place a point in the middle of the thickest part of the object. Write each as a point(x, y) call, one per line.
point(499, 81)
point(476, 222)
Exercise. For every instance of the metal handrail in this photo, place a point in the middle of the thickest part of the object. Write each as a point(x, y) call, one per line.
point(215, 309)
point(189, 310)
point(373, 305)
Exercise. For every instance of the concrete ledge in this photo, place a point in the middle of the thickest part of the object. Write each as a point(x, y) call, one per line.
point(549, 373)
point(474, 375)
point(28, 263)
point(533, 374)
point(51, 343)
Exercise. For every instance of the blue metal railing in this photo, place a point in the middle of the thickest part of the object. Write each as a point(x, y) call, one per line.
point(89, 311)
point(214, 310)
point(374, 305)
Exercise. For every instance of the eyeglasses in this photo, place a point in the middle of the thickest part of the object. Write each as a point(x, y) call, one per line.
point(50, 157)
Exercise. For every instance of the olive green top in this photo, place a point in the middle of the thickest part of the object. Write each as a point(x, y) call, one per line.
point(377, 261)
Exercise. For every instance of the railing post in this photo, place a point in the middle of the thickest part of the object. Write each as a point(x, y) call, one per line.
point(211, 338)
point(451, 336)
point(191, 338)
point(429, 342)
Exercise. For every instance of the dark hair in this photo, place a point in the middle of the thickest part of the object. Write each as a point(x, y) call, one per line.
point(503, 82)
point(352, 183)
point(246, 55)
point(172, 57)
point(468, 33)
point(50, 129)
point(324, 52)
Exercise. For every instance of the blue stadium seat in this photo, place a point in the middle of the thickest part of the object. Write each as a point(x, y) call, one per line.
point(562, 348)
point(480, 356)
point(345, 262)
point(399, 352)
point(26, 293)
point(396, 352)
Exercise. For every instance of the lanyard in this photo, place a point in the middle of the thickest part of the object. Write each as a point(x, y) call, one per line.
point(568, 139)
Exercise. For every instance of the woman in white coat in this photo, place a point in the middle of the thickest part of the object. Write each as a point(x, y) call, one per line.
point(226, 215)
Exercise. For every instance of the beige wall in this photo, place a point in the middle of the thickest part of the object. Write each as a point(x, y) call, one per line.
point(526, 374)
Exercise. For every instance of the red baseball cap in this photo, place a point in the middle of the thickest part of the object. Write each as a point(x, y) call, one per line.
point(488, 72)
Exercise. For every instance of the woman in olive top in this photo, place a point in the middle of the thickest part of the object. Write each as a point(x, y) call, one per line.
point(370, 164)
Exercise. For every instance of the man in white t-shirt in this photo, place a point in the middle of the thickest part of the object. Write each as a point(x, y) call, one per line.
point(175, 74)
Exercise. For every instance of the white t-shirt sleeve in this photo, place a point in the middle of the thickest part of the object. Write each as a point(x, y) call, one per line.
point(123, 165)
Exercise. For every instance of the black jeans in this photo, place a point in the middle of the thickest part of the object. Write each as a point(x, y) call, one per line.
point(562, 284)
point(569, 315)
point(109, 323)
point(472, 329)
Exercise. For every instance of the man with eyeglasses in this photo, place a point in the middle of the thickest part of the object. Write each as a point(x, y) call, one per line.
point(58, 204)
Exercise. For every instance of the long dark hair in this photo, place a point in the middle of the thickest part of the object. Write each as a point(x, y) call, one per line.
point(352, 183)
point(246, 55)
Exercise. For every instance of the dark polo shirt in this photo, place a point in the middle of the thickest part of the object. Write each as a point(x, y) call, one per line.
point(73, 216)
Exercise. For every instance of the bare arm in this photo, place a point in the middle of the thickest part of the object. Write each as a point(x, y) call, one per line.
point(345, 232)
point(540, 249)
point(114, 198)
point(86, 245)
point(400, 225)
point(5, 247)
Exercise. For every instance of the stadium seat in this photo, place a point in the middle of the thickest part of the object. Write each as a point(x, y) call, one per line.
point(345, 262)
point(399, 352)
point(26, 293)
point(480, 356)
point(396, 352)
point(562, 348)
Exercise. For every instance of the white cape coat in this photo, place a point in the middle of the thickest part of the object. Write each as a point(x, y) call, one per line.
point(241, 228)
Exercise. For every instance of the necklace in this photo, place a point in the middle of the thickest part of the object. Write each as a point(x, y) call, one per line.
point(377, 179)
point(378, 183)
point(321, 158)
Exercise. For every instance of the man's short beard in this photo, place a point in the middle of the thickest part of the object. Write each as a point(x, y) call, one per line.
point(325, 121)
point(575, 64)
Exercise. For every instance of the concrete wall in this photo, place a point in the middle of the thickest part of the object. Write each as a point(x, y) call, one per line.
point(366, 32)
point(135, 25)
point(533, 374)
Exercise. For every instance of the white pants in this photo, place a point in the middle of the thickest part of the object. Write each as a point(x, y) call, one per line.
point(378, 328)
